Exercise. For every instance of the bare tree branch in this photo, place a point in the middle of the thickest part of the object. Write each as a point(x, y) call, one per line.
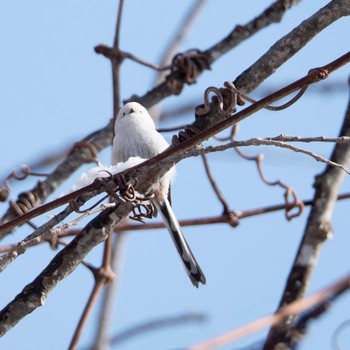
point(318, 230)
point(271, 142)
point(181, 32)
point(103, 337)
point(156, 324)
point(65, 262)
point(290, 44)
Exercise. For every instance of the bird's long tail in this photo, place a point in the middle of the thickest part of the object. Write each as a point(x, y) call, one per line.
point(192, 268)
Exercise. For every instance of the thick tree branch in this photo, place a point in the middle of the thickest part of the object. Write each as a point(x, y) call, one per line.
point(290, 44)
point(65, 262)
point(318, 230)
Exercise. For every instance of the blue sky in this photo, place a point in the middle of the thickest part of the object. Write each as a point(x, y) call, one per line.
point(55, 90)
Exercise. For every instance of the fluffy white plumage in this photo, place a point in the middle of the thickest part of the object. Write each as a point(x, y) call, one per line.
point(136, 136)
point(104, 171)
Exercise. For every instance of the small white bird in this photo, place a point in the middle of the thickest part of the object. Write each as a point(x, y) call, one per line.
point(136, 135)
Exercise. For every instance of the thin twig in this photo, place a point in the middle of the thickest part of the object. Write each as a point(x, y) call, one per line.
point(210, 220)
point(239, 214)
point(269, 142)
point(180, 34)
point(156, 67)
point(46, 233)
point(214, 185)
point(118, 25)
point(106, 314)
point(157, 324)
point(94, 295)
point(336, 335)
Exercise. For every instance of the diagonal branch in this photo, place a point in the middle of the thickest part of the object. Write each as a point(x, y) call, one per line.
point(151, 170)
point(103, 137)
point(290, 44)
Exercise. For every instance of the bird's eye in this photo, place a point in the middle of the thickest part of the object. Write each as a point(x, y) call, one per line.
point(124, 114)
